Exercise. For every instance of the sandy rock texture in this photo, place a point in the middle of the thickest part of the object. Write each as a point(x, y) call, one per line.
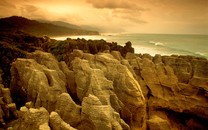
point(106, 91)
point(175, 88)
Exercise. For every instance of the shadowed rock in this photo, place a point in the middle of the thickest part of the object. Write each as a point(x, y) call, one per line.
point(174, 85)
point(105, 77)
point(37, 83)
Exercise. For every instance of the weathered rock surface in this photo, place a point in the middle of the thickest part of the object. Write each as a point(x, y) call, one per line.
point(97, 116)
point(8, 110)
point(43, 81)
point(138, 92)
point(113, 83)
point(56, 123)
point(34, 119)
point(173, 86)
point(41, 84)
point(98, 90)
point(68, 110)
point(156, 123)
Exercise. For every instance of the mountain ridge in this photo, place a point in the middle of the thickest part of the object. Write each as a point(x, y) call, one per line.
point(60, 23)
point(17, 23)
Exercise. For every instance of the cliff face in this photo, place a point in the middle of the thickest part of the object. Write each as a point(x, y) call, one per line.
point(175, 88)
point(104, 90)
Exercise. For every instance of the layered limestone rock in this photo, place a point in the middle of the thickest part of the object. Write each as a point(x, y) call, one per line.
point(156, 123)
point(8, 110)
point(34, 119)
point(97, 116)
point(138, 92)
point(173, 86)
point(41, 84)
point(113, 83)
point(68, 110)
point(45, 84)
point(56, 123)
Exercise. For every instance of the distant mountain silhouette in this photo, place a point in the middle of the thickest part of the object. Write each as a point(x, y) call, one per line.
point(16, 23)
point(69, 25)
point(61, 23)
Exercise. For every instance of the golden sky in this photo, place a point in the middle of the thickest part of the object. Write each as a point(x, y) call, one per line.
point(136, 16)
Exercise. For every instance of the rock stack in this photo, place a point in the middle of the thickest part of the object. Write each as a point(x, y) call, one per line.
point(108, 100)
point(8, 109)
point(103, 86)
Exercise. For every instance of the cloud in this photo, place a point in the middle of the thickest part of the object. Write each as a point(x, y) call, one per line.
point(114, 4)
point(126, 10)
point(115, 15)
point(6, 4)
point(130, 15)
point(29, 9)
point(7, 9)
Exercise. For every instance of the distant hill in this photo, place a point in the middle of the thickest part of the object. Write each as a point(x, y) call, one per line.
point(60, 23)
point(16, 23)
point(69, 25)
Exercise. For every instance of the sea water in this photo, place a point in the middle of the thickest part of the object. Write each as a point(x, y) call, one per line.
point(163, 44)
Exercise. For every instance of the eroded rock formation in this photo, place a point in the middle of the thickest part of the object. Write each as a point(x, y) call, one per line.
point(106, 91)
point(42, 80)
point(175, 88)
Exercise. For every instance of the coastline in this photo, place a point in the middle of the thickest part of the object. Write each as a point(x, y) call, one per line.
point(155, 43)
point(99, 85)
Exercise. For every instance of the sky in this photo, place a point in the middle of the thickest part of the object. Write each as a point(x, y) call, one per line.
point(117, 16)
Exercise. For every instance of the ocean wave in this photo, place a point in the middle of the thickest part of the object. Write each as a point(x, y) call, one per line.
point(188, 52)
point(168, 50)
point(157, 43)
point(200, 53)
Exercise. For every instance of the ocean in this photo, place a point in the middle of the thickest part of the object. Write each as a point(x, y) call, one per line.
point(163, 44)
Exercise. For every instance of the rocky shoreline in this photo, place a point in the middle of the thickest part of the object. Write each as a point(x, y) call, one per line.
point(84, 84)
